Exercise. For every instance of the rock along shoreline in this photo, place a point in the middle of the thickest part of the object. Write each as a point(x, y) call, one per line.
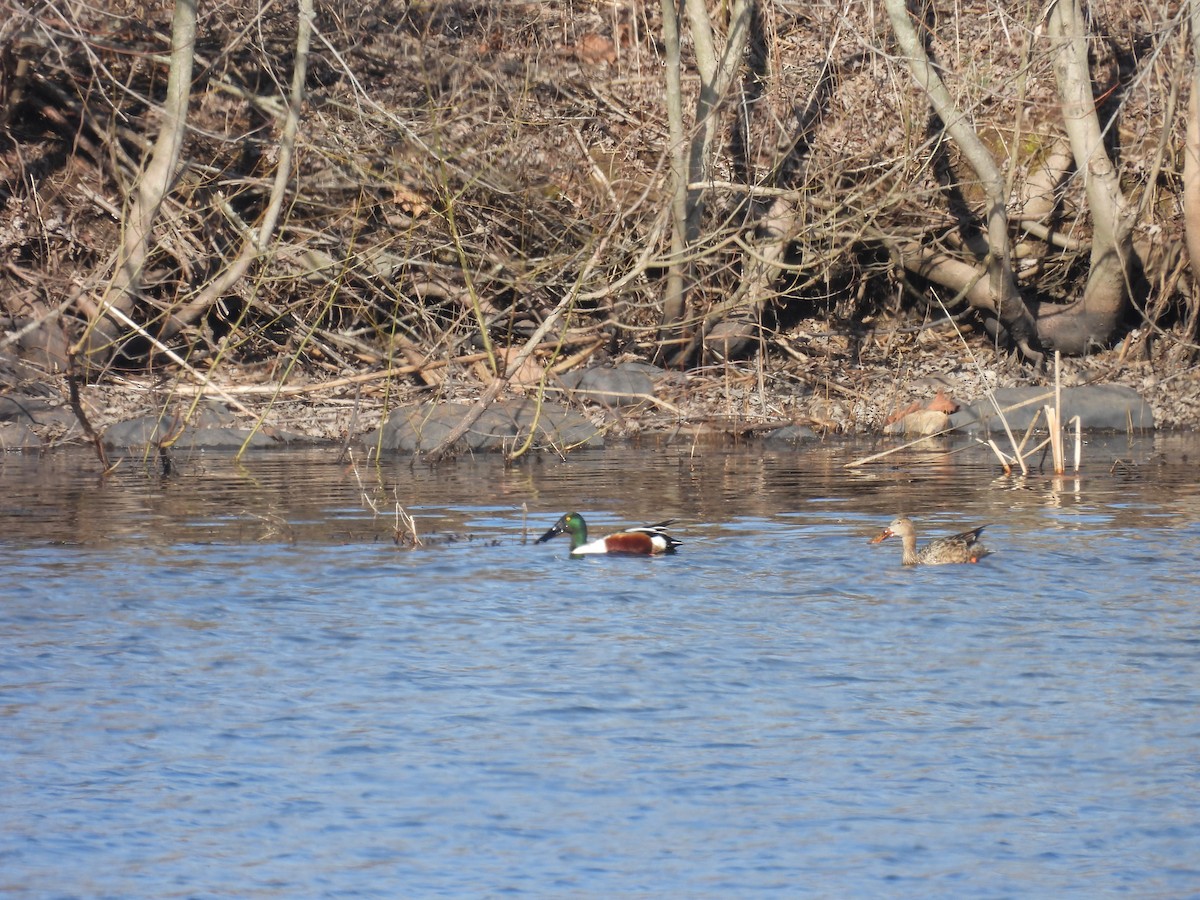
point(590, 408)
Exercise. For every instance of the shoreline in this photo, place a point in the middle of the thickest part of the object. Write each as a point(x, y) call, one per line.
point(614, 405)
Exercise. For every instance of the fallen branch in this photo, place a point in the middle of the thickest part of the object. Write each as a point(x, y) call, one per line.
point(226, 392)
point(85, 423)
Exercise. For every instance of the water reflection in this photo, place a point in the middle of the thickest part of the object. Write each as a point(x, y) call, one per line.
point(231, 682)
point(310, 497)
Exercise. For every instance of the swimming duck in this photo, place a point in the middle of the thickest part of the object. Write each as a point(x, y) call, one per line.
point(958, 548)
point(647, 541)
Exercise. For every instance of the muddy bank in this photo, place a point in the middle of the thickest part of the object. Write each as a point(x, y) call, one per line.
point(609, 404)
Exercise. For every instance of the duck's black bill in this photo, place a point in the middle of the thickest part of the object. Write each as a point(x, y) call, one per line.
point(553, 532)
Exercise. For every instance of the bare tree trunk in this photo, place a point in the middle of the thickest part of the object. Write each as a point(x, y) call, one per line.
point(735, 324)
point(152, 188)
point(1094, 318)
point(675, 296)
point(716, 77)
point(255, 243)
point(1191, 157)
point(1003, 297)
point(1039, 192)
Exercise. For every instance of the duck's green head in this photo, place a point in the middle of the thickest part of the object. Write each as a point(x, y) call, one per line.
point(572, 524)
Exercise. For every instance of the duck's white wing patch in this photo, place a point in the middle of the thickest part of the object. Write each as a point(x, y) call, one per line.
point(597, 546)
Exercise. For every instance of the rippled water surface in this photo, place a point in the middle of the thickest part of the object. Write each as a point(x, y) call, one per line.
point(233, 682)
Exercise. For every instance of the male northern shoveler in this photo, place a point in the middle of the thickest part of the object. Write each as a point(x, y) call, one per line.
point(648, 541)
point(958, 548)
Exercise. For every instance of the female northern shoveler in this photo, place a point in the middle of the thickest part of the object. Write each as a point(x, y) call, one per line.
point(647, 541)
point(958, 548)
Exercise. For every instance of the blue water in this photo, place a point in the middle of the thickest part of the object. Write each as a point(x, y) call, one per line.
point(233, 682)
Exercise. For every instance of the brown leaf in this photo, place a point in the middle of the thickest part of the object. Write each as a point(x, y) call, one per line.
point(529, 372)
point(595, 48)
point(409, 201)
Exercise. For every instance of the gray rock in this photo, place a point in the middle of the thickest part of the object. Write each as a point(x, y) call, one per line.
point(648, 369)
point(556, 426)
point(138, 433)
point(212, 415)
point(791, 435)
point(18, 436)
point(501, 427)
point(1100, 407)
point(20, 408)
point(493, 429)
point(625, 385)
point(416, 428)
point(207, 431)
point(226, 439)
point(44, 345)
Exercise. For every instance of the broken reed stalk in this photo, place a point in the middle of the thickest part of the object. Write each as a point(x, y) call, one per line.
point(366, 498)
point(1058, 382)
point(1040, 445)
point(1056, 444)
point(405, 531)
point(1054, 427)
point(862, 461)
point(1005, 461)
point(1054, 424)
point(1029, 432)
point(1003, 421)
point(1078, 441)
